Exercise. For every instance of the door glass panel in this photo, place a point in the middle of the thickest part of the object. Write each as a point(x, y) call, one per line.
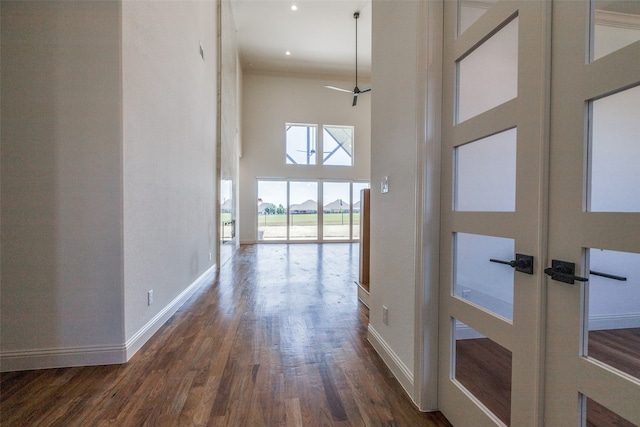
point(469, 11)
point(614, 25)
point(598, 415)
point(483, 368)
point(614, 309)
point(357, 188)
point(336, 206)
point(486, 174)
point(272, 214)
point(488, 76)
point(615, 153)
point(303, 210)
point(480, 281)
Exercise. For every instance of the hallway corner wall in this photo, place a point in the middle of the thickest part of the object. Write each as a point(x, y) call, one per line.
point(169, 63)
point(229, 149)
point(61, 241)
point(394, 151)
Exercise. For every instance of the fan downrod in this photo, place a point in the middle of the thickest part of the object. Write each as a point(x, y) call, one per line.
point(356, 90)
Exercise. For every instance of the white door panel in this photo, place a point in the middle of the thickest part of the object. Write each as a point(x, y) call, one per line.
point(593, 326)
point(576, 119)
point(492, 182)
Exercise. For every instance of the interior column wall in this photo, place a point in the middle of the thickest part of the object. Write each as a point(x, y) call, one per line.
point(61, 241)
point(169, 63)
point(229, 132)
point(395, 154)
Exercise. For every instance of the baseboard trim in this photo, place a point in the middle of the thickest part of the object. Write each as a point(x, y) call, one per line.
point(47, 358)
point(24, 360)
point(402, 373)
point(140, 338)
point(363, 294)
point(464, 332)
point(614, 321)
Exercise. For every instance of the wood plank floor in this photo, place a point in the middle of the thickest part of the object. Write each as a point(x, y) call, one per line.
point(484, 368)
point(278, 339)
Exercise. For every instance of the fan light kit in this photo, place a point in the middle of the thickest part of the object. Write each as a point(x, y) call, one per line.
point(356, 90)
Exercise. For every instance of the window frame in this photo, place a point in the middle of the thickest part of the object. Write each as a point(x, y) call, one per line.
point(339, 145)
point(312, 142)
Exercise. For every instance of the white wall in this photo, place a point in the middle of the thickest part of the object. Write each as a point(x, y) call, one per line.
point(394, 153)
point(62, 290)
point(108, 174)
point(170, 223)
point(270, 101)
point(230, 77)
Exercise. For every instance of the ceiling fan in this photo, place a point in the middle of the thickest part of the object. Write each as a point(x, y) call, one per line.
point(356, 90)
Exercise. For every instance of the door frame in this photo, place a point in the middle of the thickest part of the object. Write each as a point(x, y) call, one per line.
point(427, 261)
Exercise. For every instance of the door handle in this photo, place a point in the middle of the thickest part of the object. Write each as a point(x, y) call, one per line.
point(522, 263)
point(608, 276)
point(564, 271)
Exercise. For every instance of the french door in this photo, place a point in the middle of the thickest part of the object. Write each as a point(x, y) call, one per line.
point(494, 101)
point(540, 159)
point(593, 326)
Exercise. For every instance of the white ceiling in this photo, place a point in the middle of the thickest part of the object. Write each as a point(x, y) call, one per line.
point(320, 36)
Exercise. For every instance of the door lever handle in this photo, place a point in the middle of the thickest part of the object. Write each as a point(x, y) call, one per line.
point(522, 263)
point(608, 276)
point(564, 271)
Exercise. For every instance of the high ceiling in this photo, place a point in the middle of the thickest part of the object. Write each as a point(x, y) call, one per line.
point(320, 36)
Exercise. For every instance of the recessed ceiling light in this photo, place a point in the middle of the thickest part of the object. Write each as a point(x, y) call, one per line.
point(294, 7)
point(287, 53)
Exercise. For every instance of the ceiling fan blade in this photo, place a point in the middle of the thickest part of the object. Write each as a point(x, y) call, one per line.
point(340, 89)
point(356, 91)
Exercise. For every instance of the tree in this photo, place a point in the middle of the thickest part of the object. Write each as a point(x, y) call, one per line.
point(280, 210)
point(270, 209)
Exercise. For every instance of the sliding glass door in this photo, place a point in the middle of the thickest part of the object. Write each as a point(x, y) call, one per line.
point(303, 210)
point(336, 210)
point(308, 210)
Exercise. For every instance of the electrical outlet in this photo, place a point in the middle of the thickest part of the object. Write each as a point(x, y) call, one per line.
point(150, 297)
point(385, 315)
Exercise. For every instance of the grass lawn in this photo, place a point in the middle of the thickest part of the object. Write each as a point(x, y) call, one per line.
point(307, 219)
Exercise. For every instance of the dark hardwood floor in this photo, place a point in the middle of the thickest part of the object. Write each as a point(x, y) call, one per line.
point(619, 348)
point(278, 339)
point(484, 368)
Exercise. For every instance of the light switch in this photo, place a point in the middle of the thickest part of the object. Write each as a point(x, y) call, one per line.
point(384, 185)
